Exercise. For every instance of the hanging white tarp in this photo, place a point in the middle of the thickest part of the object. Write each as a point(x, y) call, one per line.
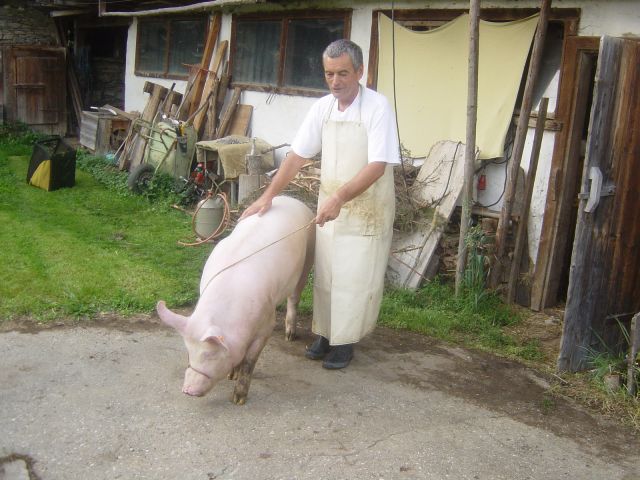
point(431, 80)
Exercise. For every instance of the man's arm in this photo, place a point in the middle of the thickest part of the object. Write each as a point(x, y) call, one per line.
point(330, 208)
point(291, 165)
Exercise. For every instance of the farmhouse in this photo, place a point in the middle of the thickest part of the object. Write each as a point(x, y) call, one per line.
point(580, 229)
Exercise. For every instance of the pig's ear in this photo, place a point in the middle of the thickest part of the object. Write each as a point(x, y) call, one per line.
point(174, 320)
point(214, 335)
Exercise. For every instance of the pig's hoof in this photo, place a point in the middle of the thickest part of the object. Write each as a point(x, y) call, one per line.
point(290, 336)
point(239, 399)
point(233, 375)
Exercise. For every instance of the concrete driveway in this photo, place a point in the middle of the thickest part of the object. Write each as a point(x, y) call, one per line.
point(105, 402)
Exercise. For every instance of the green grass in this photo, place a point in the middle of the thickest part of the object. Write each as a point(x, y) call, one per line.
point(469, 319)
point(88, 249)
point(97, 248)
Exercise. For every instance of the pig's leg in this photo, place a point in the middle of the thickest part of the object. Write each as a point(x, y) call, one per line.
point(290, 319)
point(294, 299)
point(245, 370)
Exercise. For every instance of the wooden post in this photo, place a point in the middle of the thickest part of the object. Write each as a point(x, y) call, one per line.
point(530, 180)
point(518, 145)
point(470, 150)
point(634, 339)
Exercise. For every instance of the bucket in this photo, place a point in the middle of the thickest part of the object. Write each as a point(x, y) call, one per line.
point(208, 217)
point(254, 164)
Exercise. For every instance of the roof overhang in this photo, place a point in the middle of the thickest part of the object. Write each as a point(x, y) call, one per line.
point(186, 7)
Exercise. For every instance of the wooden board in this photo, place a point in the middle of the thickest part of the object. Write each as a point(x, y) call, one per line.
point(212, 37)
point(134, 150)
point(439, 184)
point(228, 113)
point(604, 283)
point(210, 86)
point(240, 120)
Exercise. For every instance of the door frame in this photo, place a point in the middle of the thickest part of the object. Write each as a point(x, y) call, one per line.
point(564, 180)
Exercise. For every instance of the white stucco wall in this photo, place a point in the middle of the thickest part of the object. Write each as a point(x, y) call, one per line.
point(276, 117)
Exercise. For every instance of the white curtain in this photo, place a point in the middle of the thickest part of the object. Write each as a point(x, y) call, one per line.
point(431, 80)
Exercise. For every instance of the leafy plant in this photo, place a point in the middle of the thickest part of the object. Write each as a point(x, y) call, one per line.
point(607, 361)
point(474, 278)
point(162, 187)
point(18, 133)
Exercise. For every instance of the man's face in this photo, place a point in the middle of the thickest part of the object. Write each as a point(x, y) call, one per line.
point(342, 79)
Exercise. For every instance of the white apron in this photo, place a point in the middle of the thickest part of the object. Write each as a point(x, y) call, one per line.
point(352, 251)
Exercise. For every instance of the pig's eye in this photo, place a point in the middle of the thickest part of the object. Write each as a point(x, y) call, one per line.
point(208, 355)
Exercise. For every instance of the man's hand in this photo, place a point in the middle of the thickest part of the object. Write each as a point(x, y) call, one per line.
point(290, 166)
point(260, 206)
point(329, 210)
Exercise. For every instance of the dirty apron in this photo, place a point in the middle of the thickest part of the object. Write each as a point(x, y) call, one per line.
point(352, 251)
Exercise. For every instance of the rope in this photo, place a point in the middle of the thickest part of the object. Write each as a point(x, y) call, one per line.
point(257, 251)
point(393, 254)
point(221, 228)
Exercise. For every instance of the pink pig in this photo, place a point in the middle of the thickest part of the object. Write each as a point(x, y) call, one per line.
point(241, 285)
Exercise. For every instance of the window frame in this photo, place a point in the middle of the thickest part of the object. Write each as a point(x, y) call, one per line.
point(285, 17)
point(168, 21)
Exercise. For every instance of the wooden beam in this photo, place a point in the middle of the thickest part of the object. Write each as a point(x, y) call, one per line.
point(212, 114)
point(470, 148)
point(518, 146)
point(226, 118)
point(157, 11)
point(212, 80)
point(529, 182)
point(212, 37)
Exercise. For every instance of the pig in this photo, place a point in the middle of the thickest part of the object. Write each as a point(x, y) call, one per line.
point(243, 281)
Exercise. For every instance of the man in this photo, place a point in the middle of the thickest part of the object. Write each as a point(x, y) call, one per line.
point(355, 129)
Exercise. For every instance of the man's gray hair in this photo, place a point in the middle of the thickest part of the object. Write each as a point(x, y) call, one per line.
point(339, 47)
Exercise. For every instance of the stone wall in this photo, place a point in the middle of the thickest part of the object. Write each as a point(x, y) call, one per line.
point(26, 26)
point(107, 78)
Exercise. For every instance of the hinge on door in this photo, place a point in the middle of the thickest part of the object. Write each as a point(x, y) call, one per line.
point(596, 191)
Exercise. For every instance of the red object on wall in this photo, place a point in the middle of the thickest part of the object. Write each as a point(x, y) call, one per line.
point(482, 182)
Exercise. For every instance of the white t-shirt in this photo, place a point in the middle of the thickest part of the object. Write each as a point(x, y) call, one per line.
point(369, 107)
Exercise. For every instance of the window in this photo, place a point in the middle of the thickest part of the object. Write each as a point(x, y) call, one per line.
point(166, 46)
point(283, 53)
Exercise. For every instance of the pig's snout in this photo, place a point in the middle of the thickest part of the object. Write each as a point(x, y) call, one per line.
point(196, 383)
point(192, 392)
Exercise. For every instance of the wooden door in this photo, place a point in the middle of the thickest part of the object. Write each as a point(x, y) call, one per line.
point(604, 282)
point(35, 87)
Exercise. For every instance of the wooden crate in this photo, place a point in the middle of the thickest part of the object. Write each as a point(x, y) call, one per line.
point(101, 132)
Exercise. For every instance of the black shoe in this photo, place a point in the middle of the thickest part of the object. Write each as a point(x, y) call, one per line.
point(339, 357)
point(318, 349)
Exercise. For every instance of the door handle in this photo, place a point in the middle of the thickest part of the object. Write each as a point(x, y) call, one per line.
point(595, 175)
point(596, 190)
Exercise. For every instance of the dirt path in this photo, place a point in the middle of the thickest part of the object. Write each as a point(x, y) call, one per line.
point(105, 402)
